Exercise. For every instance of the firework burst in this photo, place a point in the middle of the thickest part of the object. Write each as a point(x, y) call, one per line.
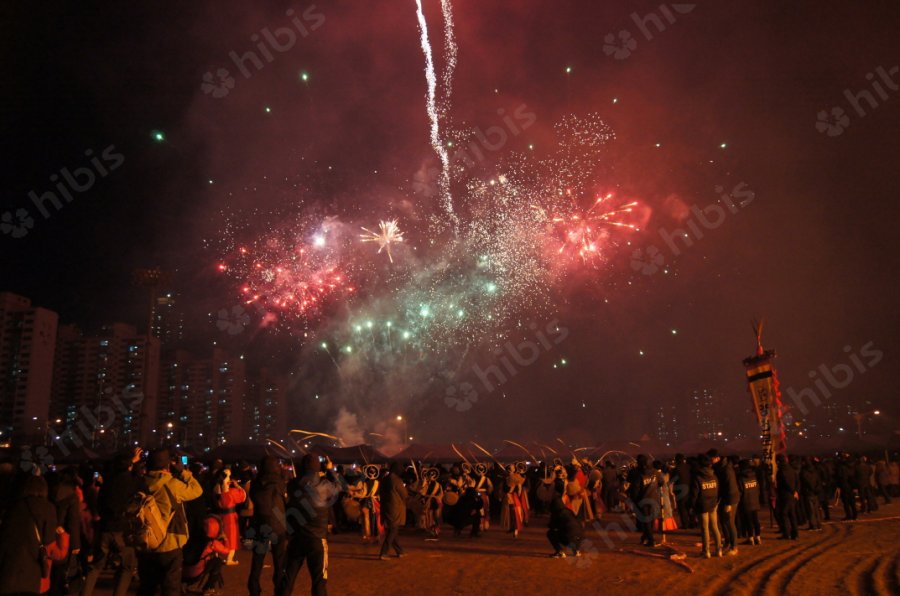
point(388, 233)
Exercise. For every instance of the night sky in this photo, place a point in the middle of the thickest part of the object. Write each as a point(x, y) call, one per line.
point(726, 96)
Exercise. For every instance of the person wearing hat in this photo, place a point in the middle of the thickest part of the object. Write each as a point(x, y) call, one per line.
point(512, 517)
point(484, 487)
point(393, 509)
point(310, 497)
point(432, 495)
point(366, 492)
point(171, 485)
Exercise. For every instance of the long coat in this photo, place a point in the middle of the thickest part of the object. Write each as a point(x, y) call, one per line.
point(393, 500)
point(20, 569)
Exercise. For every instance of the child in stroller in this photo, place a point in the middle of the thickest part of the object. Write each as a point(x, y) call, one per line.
point(204, 556)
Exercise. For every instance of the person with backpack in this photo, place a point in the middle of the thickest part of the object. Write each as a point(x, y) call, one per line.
point(170, 485)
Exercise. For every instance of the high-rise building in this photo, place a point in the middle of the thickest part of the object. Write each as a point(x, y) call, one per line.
point(168, 320)
point(202, 403)
point(27, 346)
point(666, 422)
point(266, 408)
point(105, 386)
point(707, 418)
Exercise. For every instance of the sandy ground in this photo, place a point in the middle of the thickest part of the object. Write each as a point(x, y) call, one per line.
point(846, 558)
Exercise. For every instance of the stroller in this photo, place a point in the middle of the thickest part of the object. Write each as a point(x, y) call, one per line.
point(204, 557)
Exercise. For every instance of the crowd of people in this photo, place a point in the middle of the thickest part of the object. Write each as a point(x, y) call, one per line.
point(175, 526)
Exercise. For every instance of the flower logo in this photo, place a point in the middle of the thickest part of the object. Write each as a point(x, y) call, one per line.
point(425, 181)
point(219, 84)
point(261, 539)
point(621, 47)
point(647, 262)
point(460, 397)
point(16, 226)
point(234, 321)
point(40, 459)
point(832, 122)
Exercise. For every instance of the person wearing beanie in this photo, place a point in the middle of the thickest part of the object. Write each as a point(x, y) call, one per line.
point(171, 485)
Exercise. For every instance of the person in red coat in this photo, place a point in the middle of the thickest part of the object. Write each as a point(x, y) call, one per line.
point(228, 496)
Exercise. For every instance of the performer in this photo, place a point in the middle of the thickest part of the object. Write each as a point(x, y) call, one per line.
point(228, 496)
point(522, 470)
point(366, 491)
point(432, 494)
point(512, 517)
point(484, 487)
point(564, 530)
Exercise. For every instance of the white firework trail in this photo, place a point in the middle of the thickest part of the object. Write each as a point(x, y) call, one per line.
point(433, 115)
point(449, 56)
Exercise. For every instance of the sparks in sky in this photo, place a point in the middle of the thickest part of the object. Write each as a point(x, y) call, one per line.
point(434, 116)
point(388, 233)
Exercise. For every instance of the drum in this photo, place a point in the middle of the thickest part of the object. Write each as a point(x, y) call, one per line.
point(451, 498)
point(352, 508)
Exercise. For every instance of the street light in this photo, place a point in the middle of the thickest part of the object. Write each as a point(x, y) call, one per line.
point(859, 420)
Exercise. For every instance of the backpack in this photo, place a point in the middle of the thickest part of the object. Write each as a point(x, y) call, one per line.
point(146, 526)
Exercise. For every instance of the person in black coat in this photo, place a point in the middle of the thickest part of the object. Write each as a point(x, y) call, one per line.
point(644, 489)
point(393, 508)
point(705, 495)
point(112, 502)
point(810, 487)
point(267, 526)
point(844, 478)
point(468, 512)
point(749, 505)
point(787, 485)
point(729, 497)
point(310, 497)
point(682, 480)
point(565, 531)
point(28, 524)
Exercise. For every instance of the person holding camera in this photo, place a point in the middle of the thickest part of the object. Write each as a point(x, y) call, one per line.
point(229, 495)
point(171, 485)
point(310, 496)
